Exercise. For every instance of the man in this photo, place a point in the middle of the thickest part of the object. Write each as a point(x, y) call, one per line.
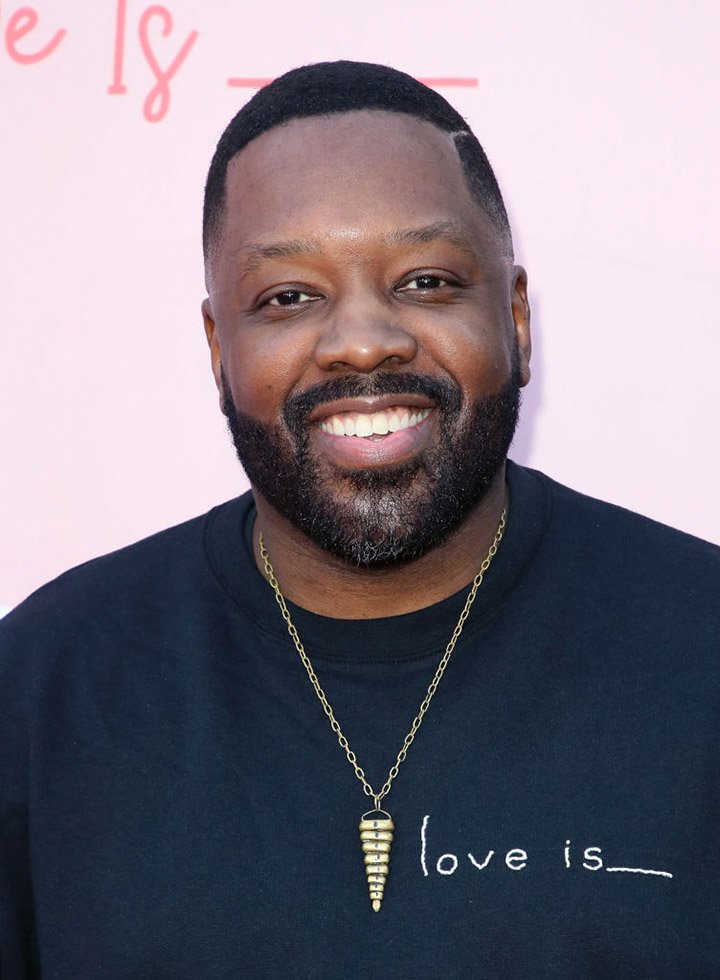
point(530, 758)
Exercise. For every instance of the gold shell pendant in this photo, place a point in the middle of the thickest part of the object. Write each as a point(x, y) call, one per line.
point(376, 837)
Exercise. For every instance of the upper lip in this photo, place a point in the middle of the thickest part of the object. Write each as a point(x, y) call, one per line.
point(366, 406)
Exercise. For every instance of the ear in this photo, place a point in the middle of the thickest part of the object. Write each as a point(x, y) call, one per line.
point(521, 319)
point(213, 340)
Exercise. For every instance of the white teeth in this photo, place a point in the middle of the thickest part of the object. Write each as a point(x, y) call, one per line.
point(377, 423)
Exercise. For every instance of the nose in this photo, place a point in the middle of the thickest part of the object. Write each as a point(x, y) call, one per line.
point(360, 335)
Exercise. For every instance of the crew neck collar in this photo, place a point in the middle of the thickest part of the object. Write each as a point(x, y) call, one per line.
point(228, 542)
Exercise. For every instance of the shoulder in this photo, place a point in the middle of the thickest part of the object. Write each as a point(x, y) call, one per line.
point(615, 559)
point(623, 598)
point(610, 529)
point(165, 570)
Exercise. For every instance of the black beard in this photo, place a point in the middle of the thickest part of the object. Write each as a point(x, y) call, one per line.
point(394, 514)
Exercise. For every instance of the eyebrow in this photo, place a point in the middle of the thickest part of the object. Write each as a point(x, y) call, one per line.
point(438, 230)
point(257, 253)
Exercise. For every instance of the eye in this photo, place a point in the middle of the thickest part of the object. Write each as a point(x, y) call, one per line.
point(290, 297)
point(426, 281)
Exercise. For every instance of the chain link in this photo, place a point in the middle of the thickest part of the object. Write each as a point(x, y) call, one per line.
point(434, 683)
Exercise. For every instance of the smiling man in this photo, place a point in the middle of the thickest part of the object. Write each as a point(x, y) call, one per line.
point(522, 681)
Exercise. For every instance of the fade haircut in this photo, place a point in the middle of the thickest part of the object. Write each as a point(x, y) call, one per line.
point(348, 86)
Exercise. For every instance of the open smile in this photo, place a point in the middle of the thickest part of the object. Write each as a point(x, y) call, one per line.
point(376, 432)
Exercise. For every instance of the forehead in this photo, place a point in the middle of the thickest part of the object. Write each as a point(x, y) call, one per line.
point(344, 175)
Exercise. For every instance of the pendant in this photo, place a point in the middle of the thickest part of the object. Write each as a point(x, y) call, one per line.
point(376, 836)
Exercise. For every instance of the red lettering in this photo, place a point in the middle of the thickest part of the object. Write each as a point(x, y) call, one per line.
point(117, 87)
point(157, 101)
point(21, 23)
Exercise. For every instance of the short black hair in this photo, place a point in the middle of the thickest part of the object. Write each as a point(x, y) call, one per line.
point(348, 86)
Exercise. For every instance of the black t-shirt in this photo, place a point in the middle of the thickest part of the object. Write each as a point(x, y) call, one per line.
point(173, 803)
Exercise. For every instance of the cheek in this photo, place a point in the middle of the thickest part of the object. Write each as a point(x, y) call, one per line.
point(262, 369)
point(475, 351)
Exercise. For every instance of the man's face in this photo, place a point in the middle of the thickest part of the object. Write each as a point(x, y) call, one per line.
point(368, 333)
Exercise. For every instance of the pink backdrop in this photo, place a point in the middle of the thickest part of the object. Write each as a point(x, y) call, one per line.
point(601, 120)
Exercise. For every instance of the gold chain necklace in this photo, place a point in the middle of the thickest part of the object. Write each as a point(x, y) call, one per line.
point(376, 826)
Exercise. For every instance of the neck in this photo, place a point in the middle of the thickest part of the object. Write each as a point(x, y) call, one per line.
point(317, 581)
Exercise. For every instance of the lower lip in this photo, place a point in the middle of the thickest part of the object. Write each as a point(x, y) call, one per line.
point(389, 450)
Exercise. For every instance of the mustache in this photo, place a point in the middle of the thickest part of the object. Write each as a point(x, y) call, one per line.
point(445, 393)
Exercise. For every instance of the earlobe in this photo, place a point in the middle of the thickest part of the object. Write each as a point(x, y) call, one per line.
point(521, 318)
point(213, 342)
